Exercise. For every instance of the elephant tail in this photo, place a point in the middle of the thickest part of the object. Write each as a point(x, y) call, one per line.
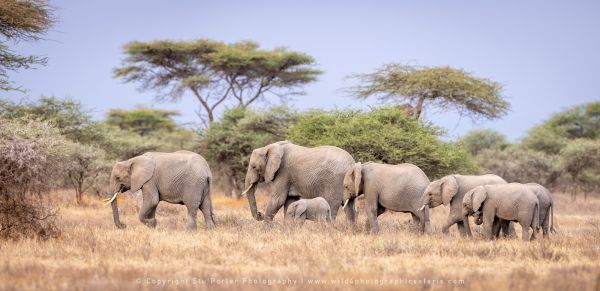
point(552, 229)
point(536, 218)
point(208, 195)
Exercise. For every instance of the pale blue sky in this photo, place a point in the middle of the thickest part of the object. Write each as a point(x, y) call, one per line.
point(544, 52)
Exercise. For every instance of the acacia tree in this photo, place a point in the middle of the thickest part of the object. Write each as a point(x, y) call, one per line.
point(215, 72)
point(21, 20)
point(580, 159)
point(441, 87)
point(143, 121)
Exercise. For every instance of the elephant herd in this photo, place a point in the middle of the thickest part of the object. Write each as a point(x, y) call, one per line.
point(314, 183)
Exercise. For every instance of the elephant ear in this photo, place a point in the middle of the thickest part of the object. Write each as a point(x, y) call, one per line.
point(479, 195)
point(357, 173)
point(300, 210)
point(448, 188)
point(140, 171)
point(274, 155)
point(468, 199)
point(291, 210)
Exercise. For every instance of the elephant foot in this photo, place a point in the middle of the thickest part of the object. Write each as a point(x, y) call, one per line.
point(151, 223)
point(121, 226)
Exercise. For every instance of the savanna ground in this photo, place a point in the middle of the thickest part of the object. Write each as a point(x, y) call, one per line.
point(92, 254)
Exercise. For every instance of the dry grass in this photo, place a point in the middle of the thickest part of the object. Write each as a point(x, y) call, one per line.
point(93, 254)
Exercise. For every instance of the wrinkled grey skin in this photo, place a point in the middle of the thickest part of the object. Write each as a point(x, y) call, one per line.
point(315, 209)
point(450, 191)
point(295, 172)
point(510, 202)
point(546, 207)
point(387, 187)
point(181, 177)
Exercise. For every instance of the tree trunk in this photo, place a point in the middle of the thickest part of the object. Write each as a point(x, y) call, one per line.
point(419, 108)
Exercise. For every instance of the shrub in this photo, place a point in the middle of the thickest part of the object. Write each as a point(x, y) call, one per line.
point(385, 135)
point(522, 165)
point(31, 154)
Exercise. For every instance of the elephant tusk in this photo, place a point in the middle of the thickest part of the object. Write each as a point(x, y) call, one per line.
point(422, 207)
point(111, 199)
point(247, 189)
point(345, 203)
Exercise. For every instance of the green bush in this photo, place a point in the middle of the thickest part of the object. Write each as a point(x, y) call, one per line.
point(385, 135)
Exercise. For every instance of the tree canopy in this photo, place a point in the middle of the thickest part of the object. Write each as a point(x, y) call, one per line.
point(482, 139)
point(442, 87)
point(21, 20)
point(551, 136)
point(142, 120)
point(214, 72)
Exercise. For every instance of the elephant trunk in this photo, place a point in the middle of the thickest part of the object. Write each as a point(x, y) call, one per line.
point(115, 211)
point(115, 188)
point(426, 221)
point(250, 189)
point(426, 225)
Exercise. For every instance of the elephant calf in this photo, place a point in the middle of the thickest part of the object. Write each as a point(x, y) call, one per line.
point(509, 202)
point(387, 187)
point(315, 209)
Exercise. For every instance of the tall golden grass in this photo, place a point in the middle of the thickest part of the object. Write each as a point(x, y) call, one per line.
point(242, 253)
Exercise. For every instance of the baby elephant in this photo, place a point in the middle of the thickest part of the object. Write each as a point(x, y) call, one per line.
point(509, 202)
point(315, 209)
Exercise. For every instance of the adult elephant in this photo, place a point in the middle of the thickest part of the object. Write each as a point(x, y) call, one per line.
point(296, 172)
point(450, 191)
point(387, 187)
point(181, 177)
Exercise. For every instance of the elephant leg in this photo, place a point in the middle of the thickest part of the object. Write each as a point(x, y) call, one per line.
point(505, 228)
point(192, 214)
point(466, 226)
point(289, 200)
point(279, 196)
point(351, 211)
point(511, 229)
point(546, 224)
point(206, 208)
point(301, 218)
point(415, 219)
point(148, 208)
point(488, 224)
point(525, 234)
point(447, 225)
point(373, 210)
point(496, 228)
